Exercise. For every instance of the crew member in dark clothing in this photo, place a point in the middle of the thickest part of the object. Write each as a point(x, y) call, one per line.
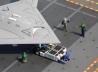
point(83, 29)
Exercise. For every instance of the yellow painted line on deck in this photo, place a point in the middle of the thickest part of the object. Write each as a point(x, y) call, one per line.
point(92, 65)
point(96, 70)
point(83, 5)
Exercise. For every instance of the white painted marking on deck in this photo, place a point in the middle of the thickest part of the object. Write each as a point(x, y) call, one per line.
point(85, 13)
point(47, 6)
point(10, 66)
point(75, 12)
point(70, 16)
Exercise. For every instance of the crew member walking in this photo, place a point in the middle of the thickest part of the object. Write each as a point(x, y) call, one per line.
point(65, 23)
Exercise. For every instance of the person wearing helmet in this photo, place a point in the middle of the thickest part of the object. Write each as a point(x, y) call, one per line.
point(65, 23)
point(23, 57)
point(83, 29)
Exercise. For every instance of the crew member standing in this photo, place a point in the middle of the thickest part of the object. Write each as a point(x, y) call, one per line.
point(23, 57)
point(83, 29)
point(67, 56)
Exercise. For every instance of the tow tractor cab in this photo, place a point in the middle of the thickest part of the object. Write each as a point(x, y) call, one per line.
point(53, 52)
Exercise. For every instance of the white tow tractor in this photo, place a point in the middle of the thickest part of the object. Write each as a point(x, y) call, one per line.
point(54, 52)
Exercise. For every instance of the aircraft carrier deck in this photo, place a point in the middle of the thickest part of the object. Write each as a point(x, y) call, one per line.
point(83, 50)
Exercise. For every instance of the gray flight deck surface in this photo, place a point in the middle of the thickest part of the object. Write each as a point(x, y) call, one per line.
point(88, 3)
point(82, 53)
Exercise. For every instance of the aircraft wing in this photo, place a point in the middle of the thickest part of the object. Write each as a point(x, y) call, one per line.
point(21, 23)
point(35, 2)
point(31, 2)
